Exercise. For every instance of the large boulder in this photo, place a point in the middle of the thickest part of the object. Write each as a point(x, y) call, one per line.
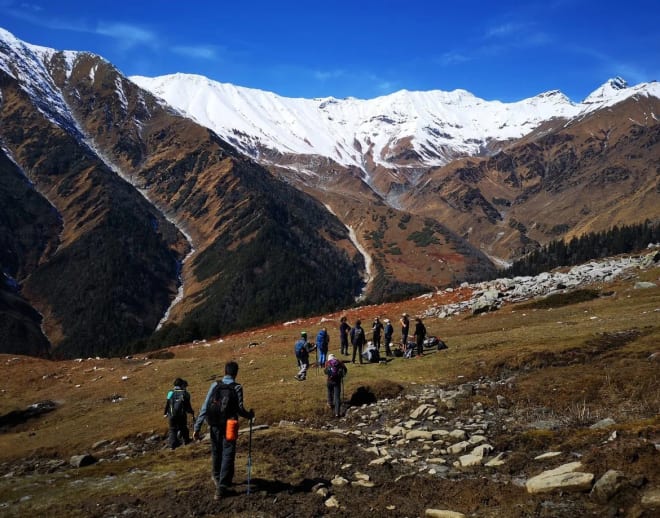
point(564, 478)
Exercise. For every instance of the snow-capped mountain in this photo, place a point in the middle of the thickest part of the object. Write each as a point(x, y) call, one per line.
point(404, 129)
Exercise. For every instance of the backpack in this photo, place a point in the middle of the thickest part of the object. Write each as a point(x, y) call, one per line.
point(334, 371)
point(431, 341)
point(300, 345)
point(222, 405)
point(178, 403)
point(357, 336)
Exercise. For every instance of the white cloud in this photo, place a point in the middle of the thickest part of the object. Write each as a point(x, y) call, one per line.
point(196, 51)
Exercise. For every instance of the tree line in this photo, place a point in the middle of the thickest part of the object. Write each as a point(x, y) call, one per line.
point(594, 245)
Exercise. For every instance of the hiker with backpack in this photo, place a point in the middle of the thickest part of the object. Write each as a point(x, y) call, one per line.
point(344, 329)
point(376, 332)
point(177, 408)
point(322, 342)
point(420, 335)
point(336, 370)
point(358, 339)
point(302, 348)
point(221, 409)
point(389, 331)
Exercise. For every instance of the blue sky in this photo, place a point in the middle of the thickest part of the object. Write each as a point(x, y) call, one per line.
point(502, 49)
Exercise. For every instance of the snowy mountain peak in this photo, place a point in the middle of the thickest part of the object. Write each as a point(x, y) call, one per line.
point(437, 126)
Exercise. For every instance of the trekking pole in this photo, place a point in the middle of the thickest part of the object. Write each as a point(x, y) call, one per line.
point(249, 459)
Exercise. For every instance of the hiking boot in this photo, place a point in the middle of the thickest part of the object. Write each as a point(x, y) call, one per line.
point(220, 492)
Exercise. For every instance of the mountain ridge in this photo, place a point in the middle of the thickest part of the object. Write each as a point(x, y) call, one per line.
point(441, 125)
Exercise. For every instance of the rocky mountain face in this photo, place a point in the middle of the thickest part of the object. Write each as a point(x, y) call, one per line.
point(112, 202)
point(506, 177)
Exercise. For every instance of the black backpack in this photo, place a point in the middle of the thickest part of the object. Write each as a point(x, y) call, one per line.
point(178, 403)
point(222, 405)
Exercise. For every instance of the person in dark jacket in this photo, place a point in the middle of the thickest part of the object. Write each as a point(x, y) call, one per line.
point(389, 331)
point(405, 328)
point(358, 339)
point(420, 335)
point(344, 329)
point(223, 451)
point(335, 370)
point(376, 332)
point(177, 408)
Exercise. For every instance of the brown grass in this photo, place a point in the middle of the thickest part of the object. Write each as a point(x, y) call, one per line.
point(573, 364)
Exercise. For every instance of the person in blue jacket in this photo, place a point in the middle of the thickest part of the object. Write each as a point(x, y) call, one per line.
point(322, 342)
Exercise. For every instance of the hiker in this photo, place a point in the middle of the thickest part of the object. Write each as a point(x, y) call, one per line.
point(358, 339)
point(221, 408)
point(405, 327)
point(344, 329)
point(376, 329)
point(302, 348)
point(177, 408)
point(336, 370)
point(389, 331)
point(322, 342)
point(420, 335)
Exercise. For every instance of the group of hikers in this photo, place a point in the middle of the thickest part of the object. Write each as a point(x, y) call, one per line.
point(224, 400)
point(381, 334)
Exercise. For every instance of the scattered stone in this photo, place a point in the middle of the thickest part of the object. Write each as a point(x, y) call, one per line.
point(339, 481)
point(495, 462)
point(100, 444)
point(442, 513)
point(608, 485)
point(80, 461)
point(603, 423)
point(548, 455)
point(651, 498)
point(564, 478)
point(362, 483)
point(332, 502)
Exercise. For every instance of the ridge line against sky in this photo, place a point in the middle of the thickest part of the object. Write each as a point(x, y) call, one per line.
point(502, 50)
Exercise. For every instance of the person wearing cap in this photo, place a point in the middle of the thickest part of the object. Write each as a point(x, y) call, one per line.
point(405, 328)
point(302, 348)
point(336, 370)
point(389, 331)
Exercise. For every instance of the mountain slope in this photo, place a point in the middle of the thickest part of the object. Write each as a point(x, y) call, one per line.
point(597, 171)
point(137, 188)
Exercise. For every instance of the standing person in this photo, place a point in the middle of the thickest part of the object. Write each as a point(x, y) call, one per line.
point(221, 408)
point(420, 335)
point(322, 342)
point(344, 329)
point(377, 330)
point(389, 331)
point(358, 339)
point(336, 370)
point(177, 408)
point(405, 327)
point(302, 348)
